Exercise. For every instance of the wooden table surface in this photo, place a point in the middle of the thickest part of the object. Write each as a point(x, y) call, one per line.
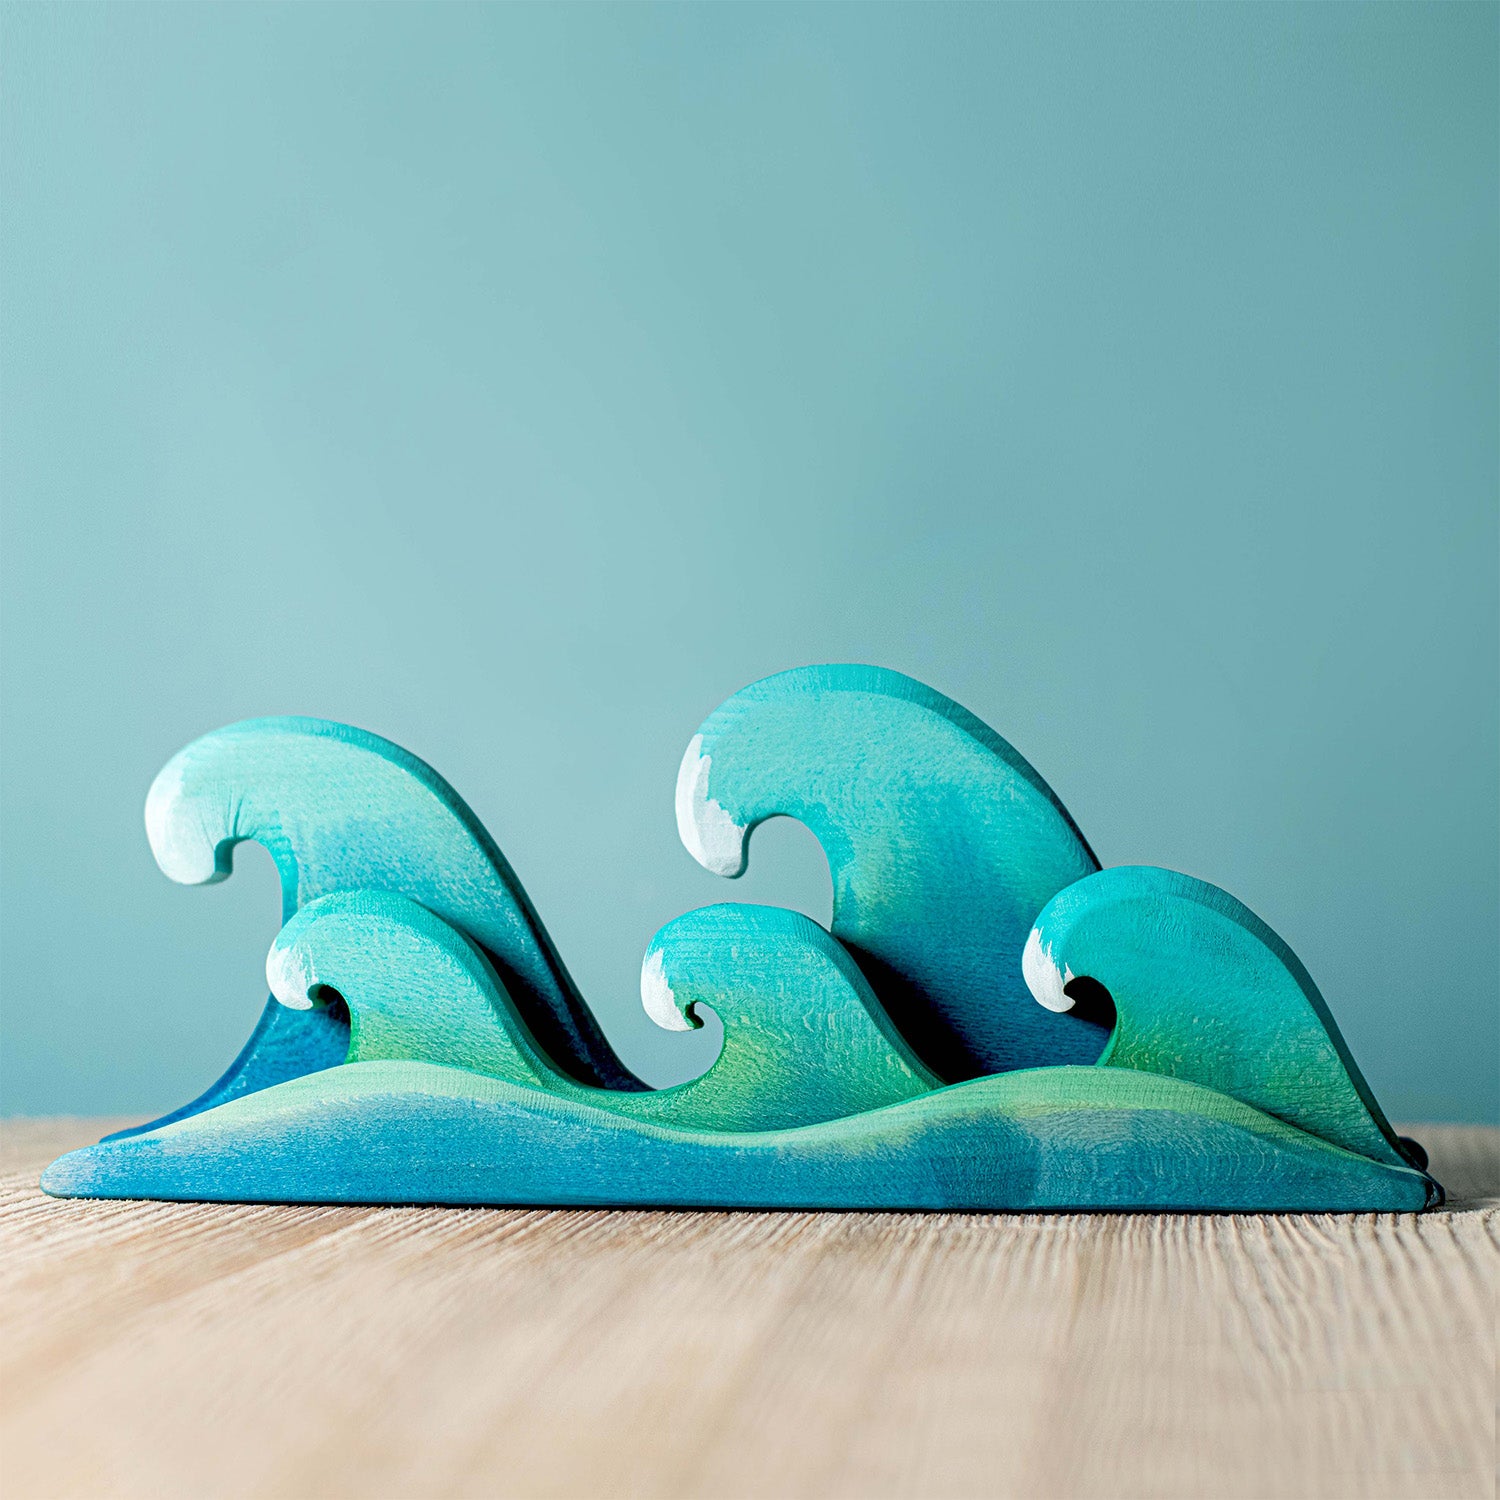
point(171, 1350)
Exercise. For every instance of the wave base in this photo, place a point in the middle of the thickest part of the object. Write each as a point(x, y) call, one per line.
point(1061, 1138)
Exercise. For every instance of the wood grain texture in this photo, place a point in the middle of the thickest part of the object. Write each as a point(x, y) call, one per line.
point(804, 1038)
point(1047, 1139)
point(424, 1044)
point(814, 1102)
point(340, 809)
point(166, 1350)
point(942, 840)
point(1204, 989)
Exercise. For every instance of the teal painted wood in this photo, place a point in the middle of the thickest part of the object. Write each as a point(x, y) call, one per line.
point(284, 1044)
point(446, 1097)
point(943, 843)
point(341, 809)
point(1206, 991)
point(425, 1044)
point(804, 1038)
point(1052, 1138)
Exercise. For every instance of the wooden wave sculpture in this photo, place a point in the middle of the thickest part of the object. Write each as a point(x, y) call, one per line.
point(990, 1022)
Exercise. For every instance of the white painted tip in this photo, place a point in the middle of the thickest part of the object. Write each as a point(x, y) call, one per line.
point(181, 856)
point(1043, 978)
point(290, 976)
point(708, 833)
point(657, 996)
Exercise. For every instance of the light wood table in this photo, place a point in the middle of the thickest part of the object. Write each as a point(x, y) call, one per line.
point(196, 1350)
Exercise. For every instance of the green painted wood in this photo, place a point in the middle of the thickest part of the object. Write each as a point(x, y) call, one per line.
point(425, 1044)
point(341, 809)
point(943, 844)
point(1205, 991)
point(804, 1038)
point(447, 1098)
point(1052, 1138)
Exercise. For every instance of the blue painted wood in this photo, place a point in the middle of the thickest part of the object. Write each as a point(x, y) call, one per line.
point(1052, 1138)
point(284, 1044)
point(815, 1102)
point(943, 843)
point(804, 1038)
point(1205, 991)
point(341, 809)
point(424, 1043)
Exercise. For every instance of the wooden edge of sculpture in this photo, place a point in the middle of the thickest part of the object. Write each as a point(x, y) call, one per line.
point(990, 1022)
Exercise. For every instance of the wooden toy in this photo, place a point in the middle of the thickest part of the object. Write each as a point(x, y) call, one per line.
point(340, 809)
point(992, 1022)
point(942, 841)
point(1204, 990)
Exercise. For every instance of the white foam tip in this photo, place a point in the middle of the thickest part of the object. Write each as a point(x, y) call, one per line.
point(657, 997)
point(1043, 978)
point(290, 977)
point(708, 833)
point(183, 853)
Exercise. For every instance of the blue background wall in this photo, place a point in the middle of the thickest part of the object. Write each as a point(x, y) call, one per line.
point(519, 382)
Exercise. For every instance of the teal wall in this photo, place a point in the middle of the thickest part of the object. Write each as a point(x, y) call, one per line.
point(519, 382)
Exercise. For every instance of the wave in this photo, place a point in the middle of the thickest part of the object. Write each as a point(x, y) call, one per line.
point(340, 809)
point(1204, 990)
point(1049, 1138)
point(804, 1038)
point(943, 843)
point(991, 1022)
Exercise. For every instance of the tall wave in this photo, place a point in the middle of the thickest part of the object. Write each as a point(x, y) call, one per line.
point(943, 844)
point(340, 809)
